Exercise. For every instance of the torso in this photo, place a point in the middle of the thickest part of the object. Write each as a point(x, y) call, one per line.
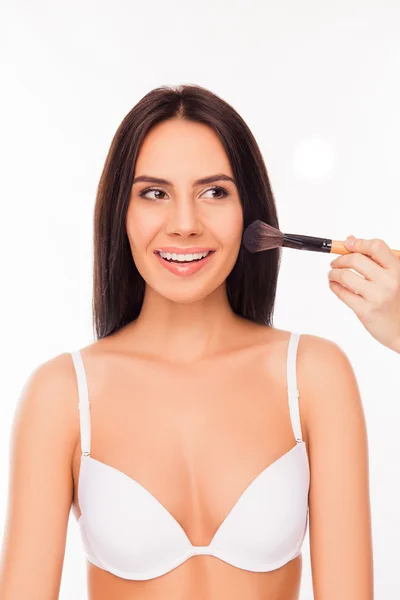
point(195, 436)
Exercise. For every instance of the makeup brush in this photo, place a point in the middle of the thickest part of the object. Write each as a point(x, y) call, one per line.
point(260, 236)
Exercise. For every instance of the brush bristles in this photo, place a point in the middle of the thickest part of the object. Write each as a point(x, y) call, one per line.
point(260, 236)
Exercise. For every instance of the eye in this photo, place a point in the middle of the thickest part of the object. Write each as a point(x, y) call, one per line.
point(219, 190)
point(147, 190)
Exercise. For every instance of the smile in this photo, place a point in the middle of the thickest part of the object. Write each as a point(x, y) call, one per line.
point(184, 264)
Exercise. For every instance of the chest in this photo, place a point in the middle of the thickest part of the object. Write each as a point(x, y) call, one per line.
point(195, 438)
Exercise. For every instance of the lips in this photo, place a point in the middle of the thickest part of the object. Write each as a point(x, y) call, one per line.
point(184, 268)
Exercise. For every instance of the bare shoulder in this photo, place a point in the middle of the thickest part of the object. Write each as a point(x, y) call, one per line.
point(325, 379)
point(50, 390)
point(324, 353)
point(40, 484)
point(325, 375)
point(314, 345)
point(46, 416)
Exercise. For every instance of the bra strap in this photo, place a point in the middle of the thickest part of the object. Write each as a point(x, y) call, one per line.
point(293, 392)
point(84, 402)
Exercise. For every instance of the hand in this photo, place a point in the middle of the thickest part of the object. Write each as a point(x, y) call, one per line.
point(375, 295)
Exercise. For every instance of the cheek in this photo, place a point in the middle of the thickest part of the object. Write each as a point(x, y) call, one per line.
point(230, 228)
point(140, 228)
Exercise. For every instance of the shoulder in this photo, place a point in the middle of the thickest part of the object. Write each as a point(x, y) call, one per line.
point(312, 349)
point(47, 403)
point(319, 357)
point(57, 374)
point(329, 391)
point(321, 362)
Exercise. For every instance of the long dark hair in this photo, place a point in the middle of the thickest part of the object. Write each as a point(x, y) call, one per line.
point(118, 287)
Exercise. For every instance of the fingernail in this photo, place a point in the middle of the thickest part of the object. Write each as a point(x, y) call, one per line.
point(350, 241)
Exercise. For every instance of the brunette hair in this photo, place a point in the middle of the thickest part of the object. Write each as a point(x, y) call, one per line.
point(118, 287)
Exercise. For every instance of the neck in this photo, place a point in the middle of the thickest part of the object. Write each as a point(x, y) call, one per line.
point(184, 332)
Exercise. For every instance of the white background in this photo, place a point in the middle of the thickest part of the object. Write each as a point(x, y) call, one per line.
point(317, 83)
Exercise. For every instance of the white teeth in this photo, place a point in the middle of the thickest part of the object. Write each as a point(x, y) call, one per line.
point(183, 257)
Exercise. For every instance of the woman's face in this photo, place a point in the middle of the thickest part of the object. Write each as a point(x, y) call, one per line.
point(183, 213)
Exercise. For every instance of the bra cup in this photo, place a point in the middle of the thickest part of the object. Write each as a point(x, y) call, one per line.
point(267, 526)
point(128, 532)
point(124, 526)
point(85, 539)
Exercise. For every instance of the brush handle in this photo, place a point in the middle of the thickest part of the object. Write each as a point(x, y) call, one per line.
point(338, 247)
point(318, 244)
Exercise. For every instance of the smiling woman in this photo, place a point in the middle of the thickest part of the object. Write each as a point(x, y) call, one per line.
point(193, 437)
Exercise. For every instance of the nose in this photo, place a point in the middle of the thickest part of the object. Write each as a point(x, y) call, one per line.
point(183, 217)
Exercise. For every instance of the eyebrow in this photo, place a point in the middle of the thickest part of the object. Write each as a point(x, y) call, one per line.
point(203, 180)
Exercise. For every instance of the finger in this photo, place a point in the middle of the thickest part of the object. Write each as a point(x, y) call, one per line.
point(353, 282)
point(367, 267)
point(378, 250)
point(352, 300)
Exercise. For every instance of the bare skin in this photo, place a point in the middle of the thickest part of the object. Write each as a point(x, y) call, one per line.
point(368, 281)
point(199, 424)
point(191, 401)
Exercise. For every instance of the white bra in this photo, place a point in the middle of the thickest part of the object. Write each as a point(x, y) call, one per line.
point(128, 532)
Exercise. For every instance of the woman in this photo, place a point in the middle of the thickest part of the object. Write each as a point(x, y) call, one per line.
point(212, 439)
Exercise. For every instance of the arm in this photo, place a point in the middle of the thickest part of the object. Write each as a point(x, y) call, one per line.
point(339, 504)
point(40, 486)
